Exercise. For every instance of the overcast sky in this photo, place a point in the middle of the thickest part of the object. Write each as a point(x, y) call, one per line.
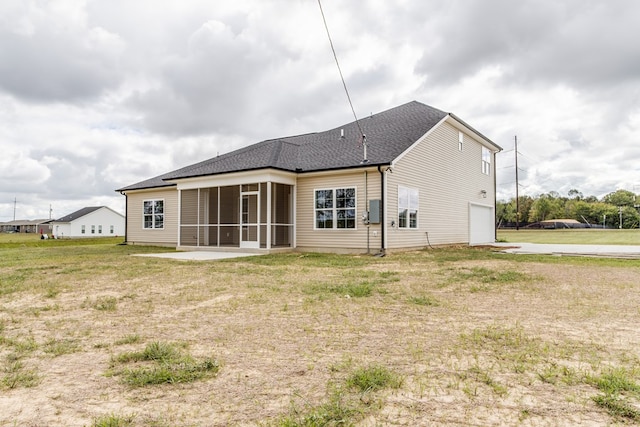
point(99, 94)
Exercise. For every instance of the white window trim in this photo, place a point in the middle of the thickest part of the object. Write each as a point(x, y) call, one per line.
point(335, 209)
point(486, 164)
point(460, 140)
point(154, 220)
point(408, 227)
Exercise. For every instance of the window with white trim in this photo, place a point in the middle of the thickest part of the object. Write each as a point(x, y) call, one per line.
point(486, 161)
point(93, 229)
point(335, 208)
point(111, 229)
point(460, 140)
point(153, 214)
point(100, 229)
point(408, 201)
point(82, 229)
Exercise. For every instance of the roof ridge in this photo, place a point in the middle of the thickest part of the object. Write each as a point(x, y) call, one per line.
point(389, 133)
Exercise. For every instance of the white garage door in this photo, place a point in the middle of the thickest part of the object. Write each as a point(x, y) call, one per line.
point(481, 225)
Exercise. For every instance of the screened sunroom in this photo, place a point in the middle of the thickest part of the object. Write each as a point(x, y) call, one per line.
point(247, 216)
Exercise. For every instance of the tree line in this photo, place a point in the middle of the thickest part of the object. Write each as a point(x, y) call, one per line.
point(605, 212)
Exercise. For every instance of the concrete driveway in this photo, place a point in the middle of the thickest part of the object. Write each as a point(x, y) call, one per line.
point(611, 251)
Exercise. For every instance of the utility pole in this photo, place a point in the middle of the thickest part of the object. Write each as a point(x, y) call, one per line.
point(15, 202)
point(50, 211)
point(620, 211)
point(515, 138)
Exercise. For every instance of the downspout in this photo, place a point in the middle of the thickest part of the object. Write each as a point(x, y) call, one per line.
point(366, 200)
point(383, 224)
point(495, 199)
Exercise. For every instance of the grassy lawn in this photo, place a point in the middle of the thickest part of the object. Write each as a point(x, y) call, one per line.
point(90, 335)
point(580, 236)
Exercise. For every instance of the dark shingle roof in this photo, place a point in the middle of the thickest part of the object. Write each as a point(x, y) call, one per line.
point(388, 133)
point(77, 214)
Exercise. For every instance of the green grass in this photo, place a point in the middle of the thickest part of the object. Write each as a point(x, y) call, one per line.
point(284, 325)
point(373, 378)
point(426, 300)
point(58, 347)
point(128, 339)
point(615, 381)
point(106, 303)
point(15, 376)
point(337, 411)
point(483, 376)
point(114, 420)
point(620, 392)
point(353, 283)
point(348, 402)
point(485, 275)
point(29, 240)
point(578, 236)
point(170, 365)
point(617, 406)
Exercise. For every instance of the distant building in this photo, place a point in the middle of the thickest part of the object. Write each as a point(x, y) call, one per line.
point(96, 221)
point(26, 226)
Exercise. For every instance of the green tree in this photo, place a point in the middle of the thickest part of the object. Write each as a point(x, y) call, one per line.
point(583, 211)
point(525, 202)
point(598, 212)
point(620, 198)
point(575, 194)
point(547, 206)
point(630, 217)
point(506, 211)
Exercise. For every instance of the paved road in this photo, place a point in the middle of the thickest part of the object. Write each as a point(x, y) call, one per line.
point(611, 251)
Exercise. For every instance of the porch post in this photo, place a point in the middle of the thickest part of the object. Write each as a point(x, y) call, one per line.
point(268, 219)
point(179, 218)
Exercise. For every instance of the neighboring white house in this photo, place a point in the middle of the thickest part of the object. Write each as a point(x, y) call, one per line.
point(96, 221)
point(422, 177)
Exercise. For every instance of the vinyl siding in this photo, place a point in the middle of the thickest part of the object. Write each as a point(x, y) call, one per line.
point(136, 234)
point(447, 179)
point(308, 238)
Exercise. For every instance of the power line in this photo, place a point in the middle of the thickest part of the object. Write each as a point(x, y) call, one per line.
point(344, 84)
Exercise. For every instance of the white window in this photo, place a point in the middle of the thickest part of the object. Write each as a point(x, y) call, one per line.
point(460, 140)
point(82, 229)
point(111, 229)
point(99, 229)
point(486, 161)
point(93, 229)
point(335, 208)
point(153, 213)
point(408, 201)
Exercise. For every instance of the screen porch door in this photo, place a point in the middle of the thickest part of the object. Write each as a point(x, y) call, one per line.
point(249, 219)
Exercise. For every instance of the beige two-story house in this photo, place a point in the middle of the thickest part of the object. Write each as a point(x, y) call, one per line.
point(404, 178)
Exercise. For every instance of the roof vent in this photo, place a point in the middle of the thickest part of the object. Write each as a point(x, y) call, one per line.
point(342, 133)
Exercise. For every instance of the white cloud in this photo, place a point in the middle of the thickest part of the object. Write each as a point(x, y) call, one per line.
point(98, 95)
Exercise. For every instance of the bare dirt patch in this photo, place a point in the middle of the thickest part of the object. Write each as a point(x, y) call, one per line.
point(478, 338)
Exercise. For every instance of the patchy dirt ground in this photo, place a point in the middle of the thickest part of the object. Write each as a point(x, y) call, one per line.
point(477, 340)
